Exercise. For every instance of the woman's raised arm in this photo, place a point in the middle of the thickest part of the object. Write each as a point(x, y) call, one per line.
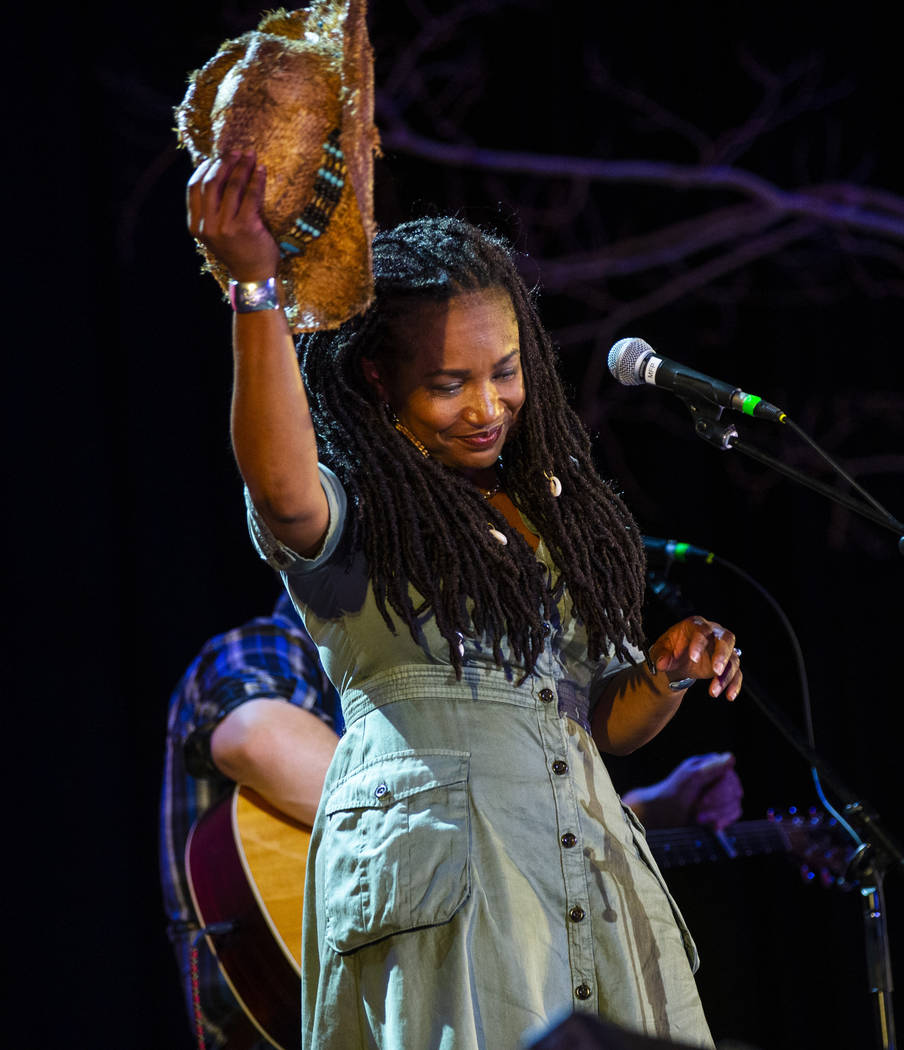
point(272, 433)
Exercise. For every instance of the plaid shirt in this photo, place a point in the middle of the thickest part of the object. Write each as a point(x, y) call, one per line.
point(267, 657)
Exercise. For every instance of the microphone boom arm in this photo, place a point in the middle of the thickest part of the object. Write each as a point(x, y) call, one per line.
point(708, 424)
point(818, 486)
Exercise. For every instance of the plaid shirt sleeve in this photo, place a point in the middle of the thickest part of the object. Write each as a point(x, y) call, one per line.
point(268, 657)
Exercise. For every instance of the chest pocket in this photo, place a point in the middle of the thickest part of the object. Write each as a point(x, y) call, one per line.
point(396, 847)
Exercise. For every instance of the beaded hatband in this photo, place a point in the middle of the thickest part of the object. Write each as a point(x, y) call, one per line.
point(328, 186)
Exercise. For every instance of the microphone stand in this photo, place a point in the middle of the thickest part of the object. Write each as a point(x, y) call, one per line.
point(709, 425)
point(877, 850)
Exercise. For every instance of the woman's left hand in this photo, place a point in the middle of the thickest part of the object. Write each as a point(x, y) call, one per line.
point(698, 648)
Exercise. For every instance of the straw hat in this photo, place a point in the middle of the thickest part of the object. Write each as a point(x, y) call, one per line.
point(299, 90)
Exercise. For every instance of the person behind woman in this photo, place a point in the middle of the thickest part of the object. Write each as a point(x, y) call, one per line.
point(474, 589)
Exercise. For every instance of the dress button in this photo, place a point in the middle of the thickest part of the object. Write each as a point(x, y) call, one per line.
point(380, 791)
point(559, 766)
point(546, 695)
point(576, 914)
point(582, 991)
point(568, 840)
point(546, 627)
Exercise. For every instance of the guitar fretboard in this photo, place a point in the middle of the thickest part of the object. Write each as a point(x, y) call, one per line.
point(677, 847)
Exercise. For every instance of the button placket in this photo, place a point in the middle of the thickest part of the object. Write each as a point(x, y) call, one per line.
point(559, 746)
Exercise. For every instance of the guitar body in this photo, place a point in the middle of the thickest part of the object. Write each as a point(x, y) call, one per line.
point(245, 863)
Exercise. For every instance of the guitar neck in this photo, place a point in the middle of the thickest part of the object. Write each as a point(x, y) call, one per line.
point(677, 847)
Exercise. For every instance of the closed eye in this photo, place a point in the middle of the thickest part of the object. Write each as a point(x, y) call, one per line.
point(512, 370)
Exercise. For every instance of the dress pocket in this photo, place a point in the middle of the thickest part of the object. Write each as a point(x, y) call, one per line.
point(639, 835)
point(396, 846)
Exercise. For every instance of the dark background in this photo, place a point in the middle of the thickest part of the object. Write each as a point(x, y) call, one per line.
point(127, 544)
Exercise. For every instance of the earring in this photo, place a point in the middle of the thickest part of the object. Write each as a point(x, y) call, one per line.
point(555, 486)
point(403, 430)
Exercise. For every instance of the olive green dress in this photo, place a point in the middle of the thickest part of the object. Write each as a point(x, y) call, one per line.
point(473, 876)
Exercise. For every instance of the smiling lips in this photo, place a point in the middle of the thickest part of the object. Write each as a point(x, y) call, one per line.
point(483, 439)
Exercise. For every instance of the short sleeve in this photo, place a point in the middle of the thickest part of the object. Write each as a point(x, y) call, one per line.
point(282, 558)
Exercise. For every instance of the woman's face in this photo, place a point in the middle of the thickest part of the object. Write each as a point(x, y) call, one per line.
point(455, 380)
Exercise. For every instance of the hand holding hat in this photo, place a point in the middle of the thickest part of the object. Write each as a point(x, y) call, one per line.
point(296, 94)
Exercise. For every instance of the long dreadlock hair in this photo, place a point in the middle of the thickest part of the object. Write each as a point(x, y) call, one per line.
point(420, 522)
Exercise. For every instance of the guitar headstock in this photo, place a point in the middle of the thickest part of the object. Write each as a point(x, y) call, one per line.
point(821, 845)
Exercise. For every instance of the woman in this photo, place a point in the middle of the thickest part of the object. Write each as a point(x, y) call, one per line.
point(474, 590)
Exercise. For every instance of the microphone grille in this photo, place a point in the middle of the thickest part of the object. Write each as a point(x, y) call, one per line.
point(625, 358)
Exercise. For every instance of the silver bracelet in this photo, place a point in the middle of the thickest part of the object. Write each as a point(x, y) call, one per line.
point(248, 296)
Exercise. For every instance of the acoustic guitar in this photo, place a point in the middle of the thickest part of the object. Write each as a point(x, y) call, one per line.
point(245, 862)
point(246, 868)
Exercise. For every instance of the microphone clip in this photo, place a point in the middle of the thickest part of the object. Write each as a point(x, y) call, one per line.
point(708, 423)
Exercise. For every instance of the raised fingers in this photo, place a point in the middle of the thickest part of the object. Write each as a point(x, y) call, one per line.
point(700, 648)
point(193, 195)
point(215, 192)
point(225, 196)
point(731, 678)
point(239, 186)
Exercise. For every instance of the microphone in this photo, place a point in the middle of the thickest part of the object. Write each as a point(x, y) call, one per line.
point(662, 552)
point(633, 362)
